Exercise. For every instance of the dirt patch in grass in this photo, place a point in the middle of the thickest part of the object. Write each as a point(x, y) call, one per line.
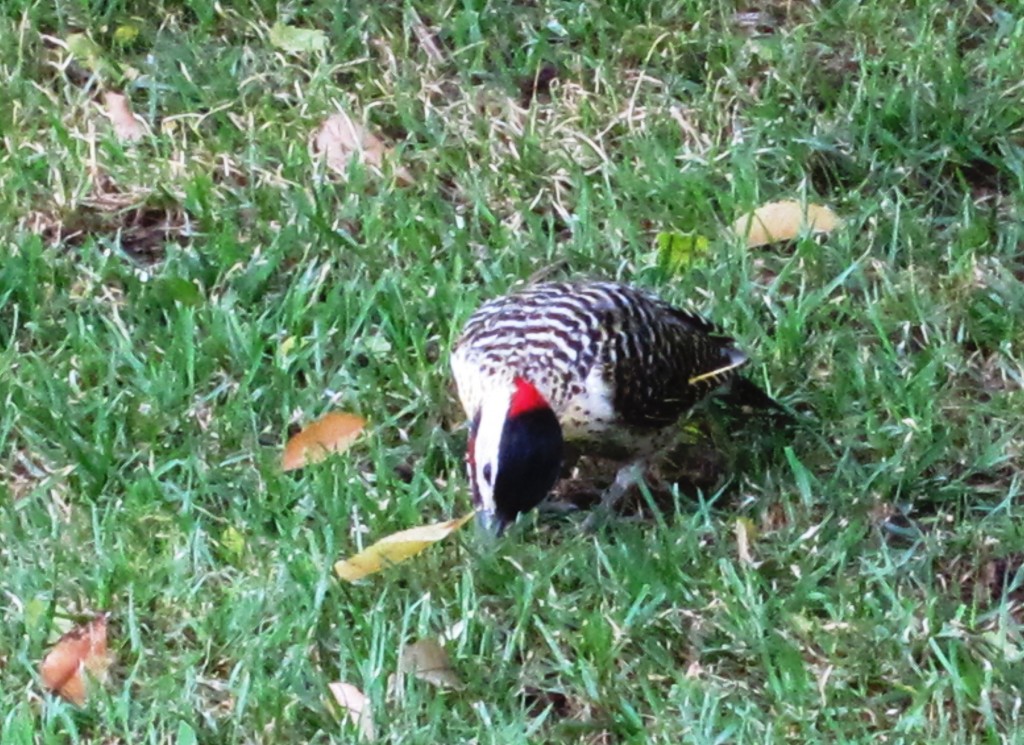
point(985, 581)
point(688, 469)
point(571, 716)
point(141, 223)
point(24, 471)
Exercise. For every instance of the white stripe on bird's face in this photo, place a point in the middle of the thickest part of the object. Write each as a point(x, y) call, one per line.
point(487, 444)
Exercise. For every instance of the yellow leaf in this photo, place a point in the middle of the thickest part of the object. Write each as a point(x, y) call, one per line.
point(119, 111)
point(746, 534)
point(297, 40)
point(783, 221)
point(395, 548)
point(125, 34)
point(428, 661)
point(84, 648)
point(35, 610)
point(87, 52)
point(355, 703)
point(286, 349)
point(333, 433)
point(233, 542)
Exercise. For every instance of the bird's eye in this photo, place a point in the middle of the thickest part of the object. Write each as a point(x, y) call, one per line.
point(487, 473)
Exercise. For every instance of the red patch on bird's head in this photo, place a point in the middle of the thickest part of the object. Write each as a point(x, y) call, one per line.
point(525, 398)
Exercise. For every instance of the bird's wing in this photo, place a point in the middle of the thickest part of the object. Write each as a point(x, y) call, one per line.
point(669, 359)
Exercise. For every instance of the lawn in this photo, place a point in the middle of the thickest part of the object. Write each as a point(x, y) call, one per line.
point(172, 309)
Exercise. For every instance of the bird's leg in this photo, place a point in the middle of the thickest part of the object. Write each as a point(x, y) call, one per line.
point(627, 476)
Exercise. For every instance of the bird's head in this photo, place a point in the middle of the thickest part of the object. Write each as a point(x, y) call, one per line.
point(514, 455)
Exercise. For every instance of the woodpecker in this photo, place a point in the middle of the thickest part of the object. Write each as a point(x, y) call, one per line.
point(603, 364)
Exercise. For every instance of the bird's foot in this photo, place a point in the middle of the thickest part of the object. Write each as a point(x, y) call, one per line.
point(556, 508)
point(627, 476)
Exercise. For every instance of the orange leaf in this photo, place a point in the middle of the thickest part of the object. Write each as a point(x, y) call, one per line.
point(353, 701)
point(395, 548)
point(332, 433)
point(82, 648)
point(119, 111)
point(784, 221)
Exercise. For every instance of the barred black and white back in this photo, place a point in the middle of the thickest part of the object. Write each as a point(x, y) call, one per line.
point(613, 361)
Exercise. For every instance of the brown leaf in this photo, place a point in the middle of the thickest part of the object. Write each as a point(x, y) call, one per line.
point(332, 433)
point(395, 548)
point(340, 141)
point(784, 221)
point(352, 700)
point(84, 648)
point(119, 110)
point(428, 661)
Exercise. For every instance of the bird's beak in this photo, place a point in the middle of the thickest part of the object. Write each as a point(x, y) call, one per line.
point(490, 523)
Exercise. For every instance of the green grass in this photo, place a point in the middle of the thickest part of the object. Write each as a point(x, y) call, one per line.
point(168, 310)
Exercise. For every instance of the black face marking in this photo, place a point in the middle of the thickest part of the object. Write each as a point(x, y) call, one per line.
point(487, 473)
point(529, 462)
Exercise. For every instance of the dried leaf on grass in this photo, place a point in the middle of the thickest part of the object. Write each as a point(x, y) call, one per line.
point(355, 703)
point(332, 433)
point(784, 221)
point(428, 661)
point(396, 548)
point(746, 534)
point(81, 650)
point(119, 110)
point(297, 40)
point(340, 141)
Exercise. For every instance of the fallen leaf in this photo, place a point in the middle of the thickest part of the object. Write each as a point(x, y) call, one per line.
point(294, 39)
point(233, 542)
point(177, 290)
point(783, 221)
point(332, 433)
point(746, 534)
point(34, 612)
point(119, 111)
point(678, 251)
point(126, 34)
point(396, 548)
point(86, 52)
point(428, 661)
point(341, 141)
point(82, 649)
point(352, 700)
point(285, 350)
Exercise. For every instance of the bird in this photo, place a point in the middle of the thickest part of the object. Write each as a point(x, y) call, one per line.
point(603, 365)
